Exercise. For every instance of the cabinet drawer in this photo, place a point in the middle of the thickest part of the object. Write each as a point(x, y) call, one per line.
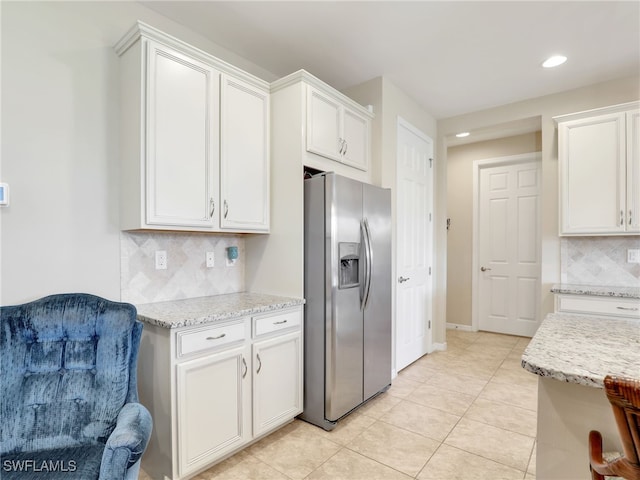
point(273, 323)
point(192, 341)
point(599, 306)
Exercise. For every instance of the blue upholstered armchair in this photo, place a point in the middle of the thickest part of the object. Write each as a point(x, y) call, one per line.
point(69, 401)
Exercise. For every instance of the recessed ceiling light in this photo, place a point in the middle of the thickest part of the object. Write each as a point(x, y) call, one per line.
point(554, 61)
point(462, 134)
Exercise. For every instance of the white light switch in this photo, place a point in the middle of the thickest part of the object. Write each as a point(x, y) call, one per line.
point(210, 260)
point(633, 255)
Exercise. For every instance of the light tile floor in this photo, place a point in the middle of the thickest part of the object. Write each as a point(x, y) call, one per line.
point(465, 414)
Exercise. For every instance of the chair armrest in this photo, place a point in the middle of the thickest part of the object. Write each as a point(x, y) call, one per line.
point(127, 442)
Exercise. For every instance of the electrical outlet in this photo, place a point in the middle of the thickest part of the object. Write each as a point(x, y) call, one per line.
point(161, 260)
point(210, 260)
point(633, 255)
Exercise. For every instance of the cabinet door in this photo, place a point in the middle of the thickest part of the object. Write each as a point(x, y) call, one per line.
point(182, 140)
point(244, 167)
point(324, 125)
point(213, 407)
point(633, 171)
point(592, 175)
point(356, 135)
point(277, 381)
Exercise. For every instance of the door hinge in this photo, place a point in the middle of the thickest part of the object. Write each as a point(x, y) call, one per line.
point(430, 162)
point(429, 324)
point(429, 216)
point(429, 270)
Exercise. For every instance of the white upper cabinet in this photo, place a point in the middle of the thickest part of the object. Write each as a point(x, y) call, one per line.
point(599, 171)
point(244, 167)
point(194, 139)
point(633, 171)
point(181, 141)
point(336, 131)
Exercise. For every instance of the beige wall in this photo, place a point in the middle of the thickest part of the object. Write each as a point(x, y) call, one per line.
point(459, 209)
point(586, 98)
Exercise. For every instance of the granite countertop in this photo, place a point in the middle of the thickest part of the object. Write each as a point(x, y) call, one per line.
point(600, 291)
point(584, 349)
point(204, 310)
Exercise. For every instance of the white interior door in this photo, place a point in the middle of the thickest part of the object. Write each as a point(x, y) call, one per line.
point(507, 260)
point(414, 244)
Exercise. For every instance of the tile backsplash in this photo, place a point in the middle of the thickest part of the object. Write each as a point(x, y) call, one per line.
point(187, 275)
point(599, 261)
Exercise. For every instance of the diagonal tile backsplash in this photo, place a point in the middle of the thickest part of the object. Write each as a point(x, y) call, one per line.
point(187, 275)
point(599, 261)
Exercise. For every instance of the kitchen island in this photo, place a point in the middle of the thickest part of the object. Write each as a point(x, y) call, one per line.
point(572, 354)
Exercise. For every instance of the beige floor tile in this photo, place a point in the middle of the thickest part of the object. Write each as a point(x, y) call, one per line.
point(402, 386)
point(529, 476)
point(426, 421)
point(531, 469)
point(455, 403)
point(502, 446)
point(465, 335)
point(397, 448)
point(524, 396)
point(489, 350)
point(457, 383)
point(247, 468)
point(511, 373)
point(497, 339)
point(449, 463)
point(297, 453)
point(349, 465)
point(498, 414)
point(143, 475)
point(348, 428)
point(478, 369)
point(379, 405)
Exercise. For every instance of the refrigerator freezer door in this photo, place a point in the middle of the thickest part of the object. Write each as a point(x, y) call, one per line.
point(377, 313)
point(344, 336)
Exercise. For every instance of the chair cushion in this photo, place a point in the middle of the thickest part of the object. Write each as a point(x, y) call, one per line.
point(65, 371)
point(77, 463)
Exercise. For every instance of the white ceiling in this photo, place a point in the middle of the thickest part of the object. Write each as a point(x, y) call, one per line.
point(452, 57)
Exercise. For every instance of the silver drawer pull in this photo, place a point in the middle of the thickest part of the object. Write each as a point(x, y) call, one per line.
point(259, 363)
point(218, 337)
point(632, 309)
point(246, 369)
point(280, 322)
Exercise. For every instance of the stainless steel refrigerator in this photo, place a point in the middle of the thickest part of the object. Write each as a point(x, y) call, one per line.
point(347, 332)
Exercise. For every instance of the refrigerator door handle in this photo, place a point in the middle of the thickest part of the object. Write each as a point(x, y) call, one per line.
point(366, 238)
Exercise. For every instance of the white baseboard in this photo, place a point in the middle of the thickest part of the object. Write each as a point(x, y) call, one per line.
point(457, 326)
point(439, 347)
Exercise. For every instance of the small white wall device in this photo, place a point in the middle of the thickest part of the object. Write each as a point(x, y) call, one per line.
point(4, 194)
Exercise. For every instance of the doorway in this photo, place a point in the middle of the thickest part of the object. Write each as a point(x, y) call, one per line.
point(414, 244)
point(506, 245)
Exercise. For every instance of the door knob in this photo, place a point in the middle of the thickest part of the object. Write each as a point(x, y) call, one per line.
point(402, 279)
point(484, 269)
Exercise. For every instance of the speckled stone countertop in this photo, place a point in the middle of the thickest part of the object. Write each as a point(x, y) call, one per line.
point(584, 349)
point(623, 292)
point(203, 310)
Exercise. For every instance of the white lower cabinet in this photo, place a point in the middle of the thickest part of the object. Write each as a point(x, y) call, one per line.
point(598, 305)
point(213, 389)
point(205, 388)
point(277, 381)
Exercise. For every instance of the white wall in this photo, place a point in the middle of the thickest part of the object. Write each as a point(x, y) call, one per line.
point(586, 98)
point(60, 142)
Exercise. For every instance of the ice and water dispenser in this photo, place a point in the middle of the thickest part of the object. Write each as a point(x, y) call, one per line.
point(349, 256)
